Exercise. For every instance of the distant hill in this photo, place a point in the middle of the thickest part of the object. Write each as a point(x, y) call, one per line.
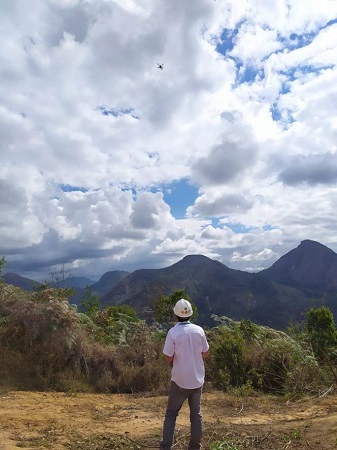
point(107, 281)
point(311, 265)
point(19, 281)
point(215, 289)
point(101, 287)
point(73, 282)
point(304, 277)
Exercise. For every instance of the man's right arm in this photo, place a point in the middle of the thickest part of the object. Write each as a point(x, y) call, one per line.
point(205, 346)
point(169, 349)
point(169, 360)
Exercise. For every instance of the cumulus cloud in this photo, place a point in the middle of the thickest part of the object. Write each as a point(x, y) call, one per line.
point(220, 204)
point(224, 163)
point(311, 169)
point(236, 153)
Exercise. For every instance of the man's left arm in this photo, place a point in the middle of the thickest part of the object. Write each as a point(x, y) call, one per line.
point(205, 347)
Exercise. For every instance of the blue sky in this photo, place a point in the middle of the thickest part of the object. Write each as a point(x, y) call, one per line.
point(180, 195)
point(108, 162)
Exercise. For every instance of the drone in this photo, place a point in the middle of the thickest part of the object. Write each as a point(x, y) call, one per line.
point(161, 66)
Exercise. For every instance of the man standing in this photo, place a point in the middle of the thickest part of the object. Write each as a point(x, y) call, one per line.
point(185, 347)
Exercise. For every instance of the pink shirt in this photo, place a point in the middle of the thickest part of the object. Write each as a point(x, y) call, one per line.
point(185, 342)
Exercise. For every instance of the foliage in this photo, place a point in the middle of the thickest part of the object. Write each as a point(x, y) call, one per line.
point(248, 330)
point(163, 307)
point(57, 283)
point(114, 323)
point(46, 343)
point(90, 302)
point(228, 357)
point(39, 339)
point(321, 330)
point(2, 265)
point(45, 291)
point(245, 356)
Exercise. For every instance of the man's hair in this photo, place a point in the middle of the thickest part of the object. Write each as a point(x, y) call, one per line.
point(183, 319)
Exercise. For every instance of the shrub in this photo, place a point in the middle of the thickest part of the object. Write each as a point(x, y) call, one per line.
point(321, 331)
point(38, 339)
point(227, 358)
point(246, 356)
point(46, 343)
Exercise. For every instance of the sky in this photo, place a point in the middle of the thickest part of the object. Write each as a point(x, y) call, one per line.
point(108, 162)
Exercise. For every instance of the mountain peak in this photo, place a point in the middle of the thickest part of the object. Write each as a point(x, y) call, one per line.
point(311, 265)
point(198, 260)
point(308, 243)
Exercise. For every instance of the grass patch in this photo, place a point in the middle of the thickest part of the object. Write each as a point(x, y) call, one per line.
point(99, 442)
point(45, 439)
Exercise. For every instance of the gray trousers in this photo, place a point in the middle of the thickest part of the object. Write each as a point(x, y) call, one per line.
point(176, 398)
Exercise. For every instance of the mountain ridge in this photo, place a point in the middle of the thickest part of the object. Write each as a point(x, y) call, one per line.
point(275, 296)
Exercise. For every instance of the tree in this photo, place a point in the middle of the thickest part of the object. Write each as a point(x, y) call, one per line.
point(321, 331)
point(57, 283)
point(2, 265)
point(90, 303)
point(163, 307)
point(59, 276)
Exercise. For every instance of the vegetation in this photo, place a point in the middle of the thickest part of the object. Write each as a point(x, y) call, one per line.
point(322, 332)
point(163, 307)
point(2, 265)
point(45, 342)
point(245, 357)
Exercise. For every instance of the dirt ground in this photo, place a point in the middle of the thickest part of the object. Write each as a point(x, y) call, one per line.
point(71, 421)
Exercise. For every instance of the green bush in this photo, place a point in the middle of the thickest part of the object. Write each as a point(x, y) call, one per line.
point(321, 331)
point(228, 358)
point(245, 356)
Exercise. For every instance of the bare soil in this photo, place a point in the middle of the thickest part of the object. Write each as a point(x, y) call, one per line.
point(71, 421)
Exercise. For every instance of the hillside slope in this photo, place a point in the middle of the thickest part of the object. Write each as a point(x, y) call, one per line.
point(215, 289)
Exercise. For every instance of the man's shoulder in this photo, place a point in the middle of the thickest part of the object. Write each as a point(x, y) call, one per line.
point(180, 326)
point(196, 328)
point(195, 325)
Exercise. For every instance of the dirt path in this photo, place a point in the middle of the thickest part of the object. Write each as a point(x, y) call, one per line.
point(59, 421)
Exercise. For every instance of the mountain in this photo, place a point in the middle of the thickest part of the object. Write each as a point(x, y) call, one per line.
point(107, 281)
point(213, 287)
point(311, 265)
point(101, 287)
point(19, 281)
point(304, 277)
point(73, 282)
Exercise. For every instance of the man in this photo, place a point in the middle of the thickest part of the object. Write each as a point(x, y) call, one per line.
point(185, 347)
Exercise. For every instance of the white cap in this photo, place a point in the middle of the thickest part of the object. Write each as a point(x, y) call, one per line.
point(183, 308)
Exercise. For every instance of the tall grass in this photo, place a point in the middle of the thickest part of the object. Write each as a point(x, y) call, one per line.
point(46, 344)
